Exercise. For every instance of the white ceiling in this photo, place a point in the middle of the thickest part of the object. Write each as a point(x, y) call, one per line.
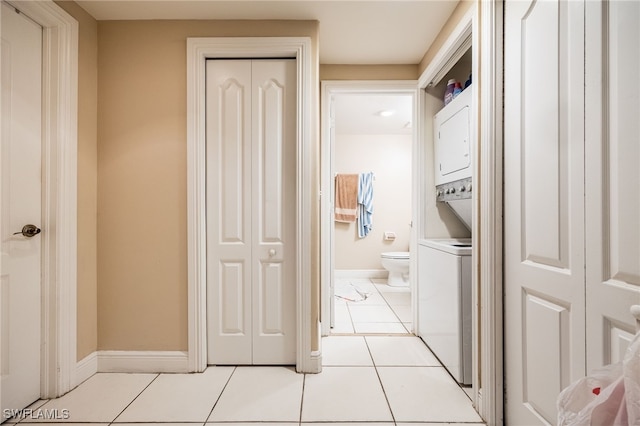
point(351, 32)
point(358, 114)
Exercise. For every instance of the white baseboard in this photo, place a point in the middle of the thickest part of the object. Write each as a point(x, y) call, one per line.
point(316, 362)
point(86, 367)
point(316, 356)
point(361, 273)
point(143, 362)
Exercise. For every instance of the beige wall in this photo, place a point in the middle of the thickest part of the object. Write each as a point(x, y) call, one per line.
point(389, 158)
point(87, 178)
point(458, 13)
point(142, 225)
point(132, 188)
point(369, 72)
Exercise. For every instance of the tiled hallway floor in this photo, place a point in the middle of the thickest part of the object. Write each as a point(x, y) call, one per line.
point(386, 309)
point(376, 380)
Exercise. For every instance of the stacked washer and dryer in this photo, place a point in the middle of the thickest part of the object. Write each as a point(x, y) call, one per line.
point(444, 283)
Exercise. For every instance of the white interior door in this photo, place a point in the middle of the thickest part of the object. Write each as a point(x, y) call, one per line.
point(20, 168)
point(544, 205)
point(613, 180)
point(251, 189)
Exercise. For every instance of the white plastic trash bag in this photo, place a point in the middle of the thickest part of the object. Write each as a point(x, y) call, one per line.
point(609, 396)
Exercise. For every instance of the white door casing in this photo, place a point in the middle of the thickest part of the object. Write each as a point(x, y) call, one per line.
point(329, 89)
point(59, 201)
point(613, 179)
point(198, 51)
point(544, 205)
point(250, 211)
point(21, 205)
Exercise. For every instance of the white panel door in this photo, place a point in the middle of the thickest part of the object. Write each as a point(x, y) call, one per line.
point(273, 196)
point(613, 181)
point(251, 189)
point(229, 220)
point(20, 168)
point(544, 206)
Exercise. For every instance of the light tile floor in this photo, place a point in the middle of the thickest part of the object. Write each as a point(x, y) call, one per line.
point(371, 378)
point(386, 310)
point(367, 380)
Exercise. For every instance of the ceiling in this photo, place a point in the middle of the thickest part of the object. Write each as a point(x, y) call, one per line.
point(359, 114)
point(351, 32)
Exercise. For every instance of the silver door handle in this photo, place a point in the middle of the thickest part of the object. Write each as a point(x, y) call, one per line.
point(28, 231)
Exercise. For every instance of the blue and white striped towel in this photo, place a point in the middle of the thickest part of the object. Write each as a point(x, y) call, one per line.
point(365, 204)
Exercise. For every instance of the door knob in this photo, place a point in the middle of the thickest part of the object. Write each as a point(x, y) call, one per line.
point(28, 231)
point(272, 252)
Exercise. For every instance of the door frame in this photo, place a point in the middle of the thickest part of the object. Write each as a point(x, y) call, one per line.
point(489, 264)
point(487, 221)
point(329, 88)
point(199, 49)
point(59, 195)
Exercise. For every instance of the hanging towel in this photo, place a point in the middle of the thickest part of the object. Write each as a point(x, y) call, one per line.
point(346, 201)
point(365, 204)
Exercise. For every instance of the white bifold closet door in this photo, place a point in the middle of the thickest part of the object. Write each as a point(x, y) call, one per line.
point(251, 190)
point(572, 198)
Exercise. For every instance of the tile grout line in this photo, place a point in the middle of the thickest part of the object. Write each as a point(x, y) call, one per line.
point(235, 368)
point(304, 382)
point(384, 392)
point(388, 305)
point(393, 310)
point(136, 397)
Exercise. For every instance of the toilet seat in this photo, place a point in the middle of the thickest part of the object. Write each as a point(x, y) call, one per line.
point(395, 255)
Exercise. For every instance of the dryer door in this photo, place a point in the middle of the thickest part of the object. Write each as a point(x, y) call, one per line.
point(453, 142)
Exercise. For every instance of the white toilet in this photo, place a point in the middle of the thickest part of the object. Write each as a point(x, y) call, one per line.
point(397, 263)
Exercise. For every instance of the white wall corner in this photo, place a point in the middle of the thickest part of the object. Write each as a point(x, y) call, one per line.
point(86, 367)
point(143, 362)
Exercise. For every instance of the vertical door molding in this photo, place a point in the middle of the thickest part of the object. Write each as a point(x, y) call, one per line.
point(489, 261)
point(198, 50)
point(59, 188)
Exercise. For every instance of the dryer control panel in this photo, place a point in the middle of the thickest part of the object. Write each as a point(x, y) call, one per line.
point(458, 190)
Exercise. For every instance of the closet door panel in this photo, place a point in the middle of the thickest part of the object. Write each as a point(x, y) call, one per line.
point(229, 229)
point(613, 182)
point(274, 183)
point(544, 206)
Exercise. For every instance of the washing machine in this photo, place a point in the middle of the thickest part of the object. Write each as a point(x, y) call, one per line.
point(444, 303)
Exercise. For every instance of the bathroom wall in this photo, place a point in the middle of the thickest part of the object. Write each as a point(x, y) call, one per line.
point(389, 158)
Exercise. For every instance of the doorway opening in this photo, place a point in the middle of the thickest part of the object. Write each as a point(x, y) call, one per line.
point(369, 136)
